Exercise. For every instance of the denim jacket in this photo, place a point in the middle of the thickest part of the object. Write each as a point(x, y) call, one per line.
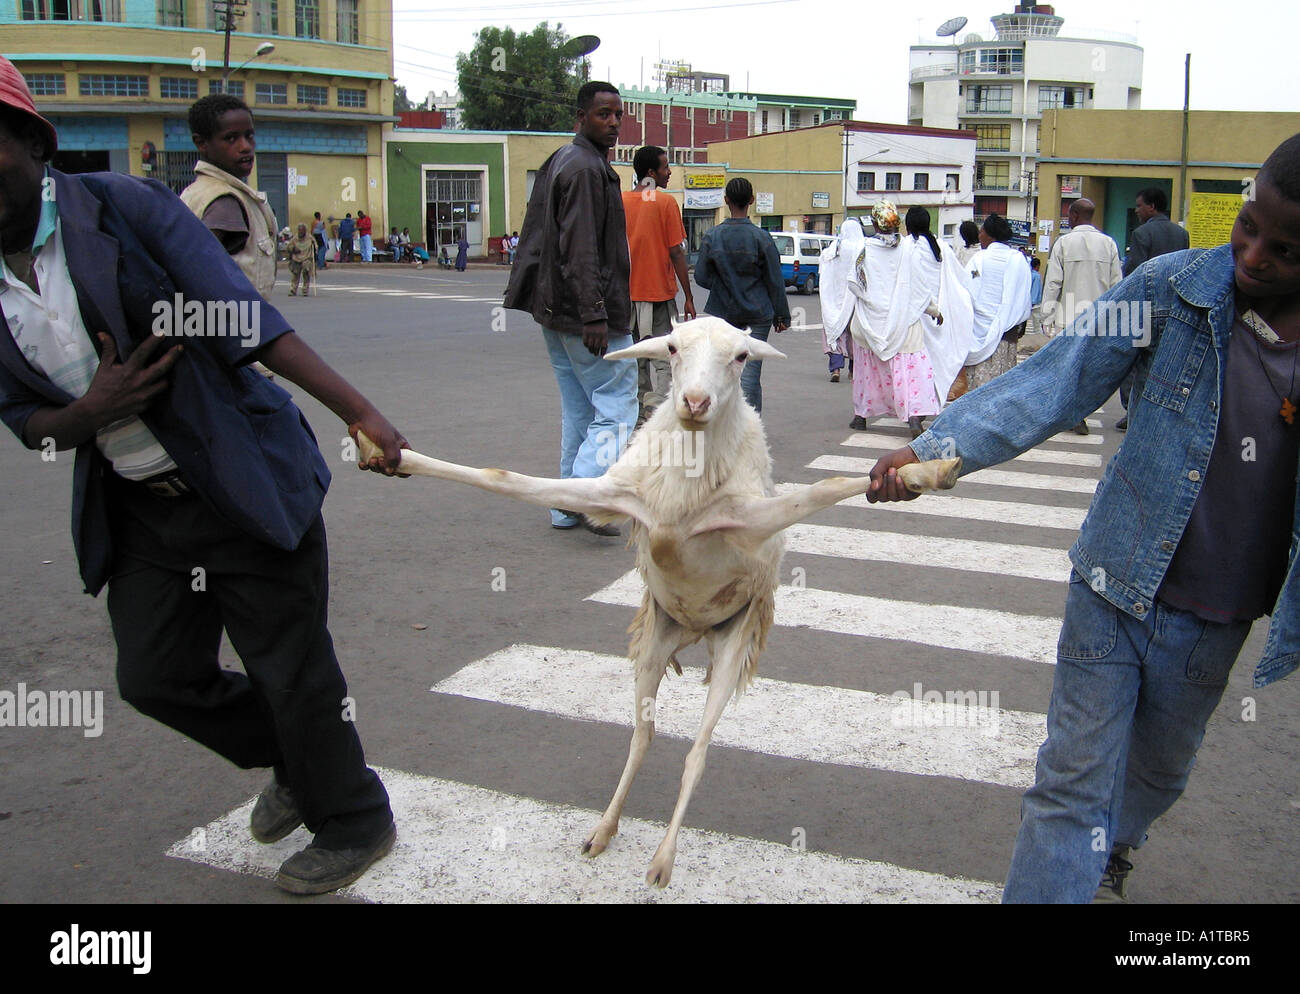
point(741, 268)
point(1145, 497)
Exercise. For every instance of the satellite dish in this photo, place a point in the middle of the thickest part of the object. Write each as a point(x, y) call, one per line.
point(951, 26)
point(577, 47)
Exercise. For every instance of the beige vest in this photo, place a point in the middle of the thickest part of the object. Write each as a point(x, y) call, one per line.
point(257, 257)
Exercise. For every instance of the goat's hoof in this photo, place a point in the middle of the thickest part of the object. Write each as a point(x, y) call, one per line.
point(600, 838)
point(661, 869)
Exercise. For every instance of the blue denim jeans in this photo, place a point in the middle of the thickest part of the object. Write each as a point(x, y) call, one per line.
point(750, 387)
point(598, 407)
point(1129, 707)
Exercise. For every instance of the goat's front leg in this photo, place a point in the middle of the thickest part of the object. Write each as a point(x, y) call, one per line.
point(730, 647)
point(656, 637)
point(751, 521)
point(585, 495)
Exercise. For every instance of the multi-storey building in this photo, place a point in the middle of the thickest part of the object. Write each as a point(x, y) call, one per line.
point(682, 122)
point(117, 77)
point(1000, 88)
point(785, 112)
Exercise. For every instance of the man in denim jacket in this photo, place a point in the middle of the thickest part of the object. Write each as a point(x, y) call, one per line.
point(1192, 533)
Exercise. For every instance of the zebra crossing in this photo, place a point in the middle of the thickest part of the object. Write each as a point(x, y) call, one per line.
point(900, 729)
point(409, 294)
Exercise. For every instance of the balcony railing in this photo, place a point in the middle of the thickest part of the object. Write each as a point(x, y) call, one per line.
point(928, 72)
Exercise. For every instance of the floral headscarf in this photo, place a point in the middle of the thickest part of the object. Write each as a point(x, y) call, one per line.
point(884, 215)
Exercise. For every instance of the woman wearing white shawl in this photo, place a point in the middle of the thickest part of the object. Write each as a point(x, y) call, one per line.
point(837, 261)
point(910, 323)
point(1002, 303)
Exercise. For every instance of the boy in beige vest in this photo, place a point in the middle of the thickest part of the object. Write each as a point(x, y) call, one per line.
point(222, 129)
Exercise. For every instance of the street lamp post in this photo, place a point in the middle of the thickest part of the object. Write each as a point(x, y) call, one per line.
point(263, 49)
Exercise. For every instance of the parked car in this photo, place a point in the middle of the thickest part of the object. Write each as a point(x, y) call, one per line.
point(801, 257)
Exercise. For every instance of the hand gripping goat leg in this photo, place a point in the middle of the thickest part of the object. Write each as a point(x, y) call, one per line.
point(696, 482)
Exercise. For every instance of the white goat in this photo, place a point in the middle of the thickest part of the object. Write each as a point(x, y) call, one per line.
point(696, 481)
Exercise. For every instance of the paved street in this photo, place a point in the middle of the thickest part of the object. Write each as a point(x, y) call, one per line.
point(501, 717)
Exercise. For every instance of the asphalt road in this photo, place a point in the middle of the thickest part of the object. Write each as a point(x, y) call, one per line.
point(418, 568)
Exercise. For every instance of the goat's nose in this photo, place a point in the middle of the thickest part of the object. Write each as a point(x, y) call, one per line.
point(697, 404)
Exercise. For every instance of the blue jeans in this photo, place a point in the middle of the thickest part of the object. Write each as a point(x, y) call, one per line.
point(750, 387)
point(598, 407)
point(1129, 707)
point(367, 248)
point(321, 249)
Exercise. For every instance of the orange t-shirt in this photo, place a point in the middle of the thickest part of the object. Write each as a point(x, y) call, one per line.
point(654, 225)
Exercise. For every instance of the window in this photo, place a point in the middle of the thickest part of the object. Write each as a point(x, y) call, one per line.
point(993, 175)
point(1002, 61)
point(104, 85)
point(784, 244)
point(313, 94)
point(988, 100)
point(235, 87)
point(663, 113)
point(70, 10)
point(272, 93)
point(764, 120)
point(1065, 97)
point(921, 181)
point(817, 118)
point(866, 182)
point(266, 17)
point(306, 18)
point(351, 98)
point(993, 138)
point(171, 13)
point(713, 115)
point(952, 182)
point(348, 31)
point(893, 181)
point(453, 201)
point(46, 84)
point(178, 88)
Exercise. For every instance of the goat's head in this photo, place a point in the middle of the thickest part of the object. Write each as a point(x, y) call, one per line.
point(707, 355)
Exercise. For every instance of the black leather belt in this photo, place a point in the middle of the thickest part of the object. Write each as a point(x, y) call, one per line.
point(167, 485)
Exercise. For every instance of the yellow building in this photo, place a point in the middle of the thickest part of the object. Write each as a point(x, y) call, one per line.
point(1109, 155)
point(117, 78)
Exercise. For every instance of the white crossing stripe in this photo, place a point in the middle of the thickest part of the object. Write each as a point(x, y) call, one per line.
point(924, 550)
point(1070, 438)
point(944, 504)
point(1000, 633)
point(458, 843)
point(887, 443)
point(989, 477)
point(965, 735)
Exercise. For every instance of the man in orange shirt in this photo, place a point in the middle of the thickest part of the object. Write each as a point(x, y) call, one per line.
point(655, 238)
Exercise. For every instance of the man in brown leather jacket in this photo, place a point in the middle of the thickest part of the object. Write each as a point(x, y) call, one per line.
point(571, 274)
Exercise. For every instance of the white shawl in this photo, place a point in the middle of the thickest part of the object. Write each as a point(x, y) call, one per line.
point(1002, 297)
point(837, 261)
point(946, 284)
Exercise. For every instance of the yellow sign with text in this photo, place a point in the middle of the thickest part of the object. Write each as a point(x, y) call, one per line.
point(1210, 218)
point(706, 181)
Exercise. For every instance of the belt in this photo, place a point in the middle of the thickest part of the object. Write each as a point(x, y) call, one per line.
point(167, 485)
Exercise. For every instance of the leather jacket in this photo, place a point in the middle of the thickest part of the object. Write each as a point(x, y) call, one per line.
point(572, 267)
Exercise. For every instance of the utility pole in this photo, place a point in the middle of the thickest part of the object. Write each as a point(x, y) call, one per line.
point(1182, 171)
point(228, 10)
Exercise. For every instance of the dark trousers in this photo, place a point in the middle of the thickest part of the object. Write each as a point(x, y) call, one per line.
point(181, 575)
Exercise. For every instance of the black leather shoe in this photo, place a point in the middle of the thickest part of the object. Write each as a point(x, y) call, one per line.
point(275, 815)
point(1122, 424)
point(319, 871)
point(858, 424)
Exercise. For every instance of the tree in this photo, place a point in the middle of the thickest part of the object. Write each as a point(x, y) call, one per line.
point(401, 101)
point(518, 82)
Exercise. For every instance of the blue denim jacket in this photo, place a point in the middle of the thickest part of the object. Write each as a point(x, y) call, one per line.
point(1146, 495)
point(741, 268)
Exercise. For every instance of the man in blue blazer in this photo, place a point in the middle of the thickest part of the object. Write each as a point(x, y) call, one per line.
point(126, 332)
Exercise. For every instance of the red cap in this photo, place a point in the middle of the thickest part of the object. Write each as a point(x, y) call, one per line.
point(14, 93)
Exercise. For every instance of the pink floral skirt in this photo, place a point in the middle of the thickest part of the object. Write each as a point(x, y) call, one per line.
point(903, 386)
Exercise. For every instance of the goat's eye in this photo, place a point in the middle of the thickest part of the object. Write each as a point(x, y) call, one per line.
point(672, 350)
point(742, 357)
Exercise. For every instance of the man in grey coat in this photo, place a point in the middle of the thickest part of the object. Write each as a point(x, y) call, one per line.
point(1156, 235)
point(571, 274)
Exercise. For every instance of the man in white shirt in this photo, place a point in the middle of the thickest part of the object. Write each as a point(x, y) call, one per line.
point(1084, 264)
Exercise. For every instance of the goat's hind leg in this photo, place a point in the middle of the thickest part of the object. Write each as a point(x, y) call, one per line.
point(655, 640)
point(731, 647)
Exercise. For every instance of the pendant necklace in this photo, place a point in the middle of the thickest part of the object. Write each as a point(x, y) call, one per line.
point(1288, 410)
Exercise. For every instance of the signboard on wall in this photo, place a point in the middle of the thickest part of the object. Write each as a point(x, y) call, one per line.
point(705, 181)
point(1071, 186)
point(1210, 218)
point(703, 200)
point(764, 203)
point(821, 200)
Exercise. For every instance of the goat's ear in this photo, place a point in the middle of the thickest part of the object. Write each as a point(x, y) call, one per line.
point(759, 349)
point(647, 348)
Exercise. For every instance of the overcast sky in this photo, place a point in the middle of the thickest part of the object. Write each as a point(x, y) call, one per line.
point(1243, 55)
